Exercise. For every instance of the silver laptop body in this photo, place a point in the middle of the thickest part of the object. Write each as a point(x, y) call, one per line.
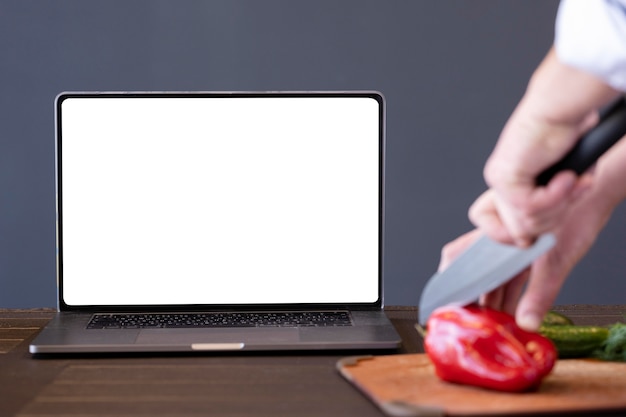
point(206, 204)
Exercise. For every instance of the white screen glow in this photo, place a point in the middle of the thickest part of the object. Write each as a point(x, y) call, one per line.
point(210, 200)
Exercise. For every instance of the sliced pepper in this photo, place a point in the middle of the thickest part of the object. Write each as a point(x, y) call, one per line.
point(484, 347)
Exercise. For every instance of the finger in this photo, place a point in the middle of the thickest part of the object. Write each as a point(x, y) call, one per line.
point(454, 248)
point(584, 184)
point(484, 215)
point(513, 291)
point(542, 208)
point(560, 188)
point(492, 299)
point(506, 297)
point(543, 287)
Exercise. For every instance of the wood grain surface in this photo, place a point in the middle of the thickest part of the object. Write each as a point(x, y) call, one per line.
point(234, 385)
point(407, 385)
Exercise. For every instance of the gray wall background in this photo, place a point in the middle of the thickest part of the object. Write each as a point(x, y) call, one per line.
point(451, 71)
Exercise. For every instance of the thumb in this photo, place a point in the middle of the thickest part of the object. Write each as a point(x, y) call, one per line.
point(543, 288)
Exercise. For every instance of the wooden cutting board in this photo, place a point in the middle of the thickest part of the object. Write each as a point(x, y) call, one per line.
point(406, 385)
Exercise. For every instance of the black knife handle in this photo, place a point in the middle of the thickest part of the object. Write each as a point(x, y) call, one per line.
point(610, 129)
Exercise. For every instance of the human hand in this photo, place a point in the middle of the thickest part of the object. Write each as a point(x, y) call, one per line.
point(515, 209)
point(559, 106)
point(505, 297)
point(576, 233)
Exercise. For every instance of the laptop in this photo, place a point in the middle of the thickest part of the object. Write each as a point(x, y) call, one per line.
point(219, 221)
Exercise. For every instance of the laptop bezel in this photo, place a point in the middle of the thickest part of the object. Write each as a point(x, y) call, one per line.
point(63, 306)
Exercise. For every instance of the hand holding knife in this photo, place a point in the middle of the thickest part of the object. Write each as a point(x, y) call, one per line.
point(487, 264)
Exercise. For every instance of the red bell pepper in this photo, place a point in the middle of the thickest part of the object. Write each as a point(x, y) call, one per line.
point(484, 347)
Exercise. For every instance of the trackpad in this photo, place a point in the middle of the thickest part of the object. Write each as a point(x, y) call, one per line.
point(248, 335)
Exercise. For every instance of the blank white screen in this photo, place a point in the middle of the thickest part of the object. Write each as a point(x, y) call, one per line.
point(213, 200)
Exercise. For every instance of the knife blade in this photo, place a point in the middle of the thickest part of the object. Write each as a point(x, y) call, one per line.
point(483, 267)
point(487, 264)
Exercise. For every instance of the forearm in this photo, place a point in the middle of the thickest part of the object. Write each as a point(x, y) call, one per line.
point(610, 177)
point(559, 93)
point(560, 103)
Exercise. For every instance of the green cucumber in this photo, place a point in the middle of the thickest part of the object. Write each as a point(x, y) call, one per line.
point(552, 318)
point(575, 341)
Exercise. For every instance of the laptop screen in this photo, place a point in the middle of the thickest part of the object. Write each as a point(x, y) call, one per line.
point(219, 199)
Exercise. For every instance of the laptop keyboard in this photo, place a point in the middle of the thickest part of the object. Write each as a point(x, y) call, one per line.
point(219, 319)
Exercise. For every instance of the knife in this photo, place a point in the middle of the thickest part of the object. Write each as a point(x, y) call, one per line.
point(488, 264)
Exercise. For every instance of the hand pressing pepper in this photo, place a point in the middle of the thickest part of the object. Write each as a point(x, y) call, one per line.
point(484, 347)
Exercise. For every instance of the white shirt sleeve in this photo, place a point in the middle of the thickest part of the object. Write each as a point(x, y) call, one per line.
point(591, 35)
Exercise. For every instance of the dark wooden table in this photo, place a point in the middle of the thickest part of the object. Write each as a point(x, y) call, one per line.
point(194, 385)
